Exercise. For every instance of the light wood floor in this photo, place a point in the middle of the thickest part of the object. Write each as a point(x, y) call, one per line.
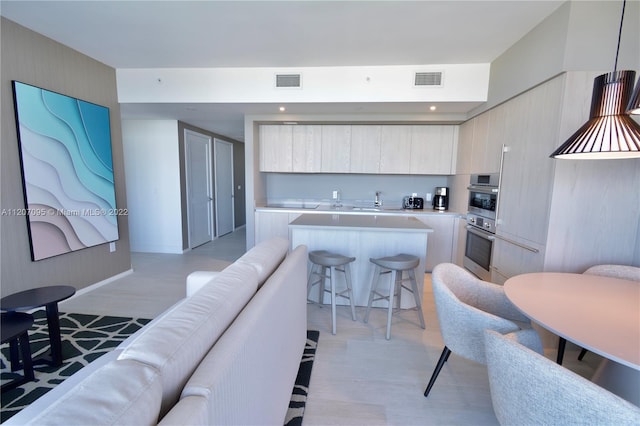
point(358, 377)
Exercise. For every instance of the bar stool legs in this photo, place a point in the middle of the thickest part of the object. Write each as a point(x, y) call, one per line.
point(396, 266)
point(324, 267)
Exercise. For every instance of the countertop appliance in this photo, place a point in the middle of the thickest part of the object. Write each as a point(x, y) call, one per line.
point(481, 224)
point(441, 198)
point(413, 202)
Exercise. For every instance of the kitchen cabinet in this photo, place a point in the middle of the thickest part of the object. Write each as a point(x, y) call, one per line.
point(372, 149)
point(276, 142)
point(272, 224)
point(395, 150)
point(336, 148)
point(306, 148)
point(433, 149)
point(465, 147)
point(366, 141)
point(527, 172)
point(442, 242)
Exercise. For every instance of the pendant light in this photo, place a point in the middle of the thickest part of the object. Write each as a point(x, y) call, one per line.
point(634, 103)
point(610, 133)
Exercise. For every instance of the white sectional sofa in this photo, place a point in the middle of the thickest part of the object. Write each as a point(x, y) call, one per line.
point(227, 354)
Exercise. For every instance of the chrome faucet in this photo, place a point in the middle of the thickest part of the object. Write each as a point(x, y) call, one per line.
point(378, 201)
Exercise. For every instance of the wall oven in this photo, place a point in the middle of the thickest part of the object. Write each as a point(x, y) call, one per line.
point(481, 224)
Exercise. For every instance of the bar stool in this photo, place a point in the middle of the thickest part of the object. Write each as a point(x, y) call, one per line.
point(396, 266)
point(324, 266)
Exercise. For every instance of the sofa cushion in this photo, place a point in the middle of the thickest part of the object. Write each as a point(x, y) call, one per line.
point(121, 392)
point(247, 377)
point(266, 256)
point(191, 410)
point(176, 344)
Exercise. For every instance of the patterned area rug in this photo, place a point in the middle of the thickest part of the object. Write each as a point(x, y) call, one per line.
point(84, 339)
point(301, 388)
point(87, 337)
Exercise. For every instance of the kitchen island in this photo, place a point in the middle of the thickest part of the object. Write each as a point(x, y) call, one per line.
point(363, 236)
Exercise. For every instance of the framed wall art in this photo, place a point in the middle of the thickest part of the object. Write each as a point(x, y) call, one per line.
point(67, 171)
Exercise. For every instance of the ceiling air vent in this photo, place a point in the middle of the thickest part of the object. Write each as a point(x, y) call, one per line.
point(428, 79)
point(288, 80)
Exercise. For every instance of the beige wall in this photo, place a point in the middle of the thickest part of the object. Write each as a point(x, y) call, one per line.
point(34, 59)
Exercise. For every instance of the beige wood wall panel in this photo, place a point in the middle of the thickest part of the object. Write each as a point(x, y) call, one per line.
point(34, 59)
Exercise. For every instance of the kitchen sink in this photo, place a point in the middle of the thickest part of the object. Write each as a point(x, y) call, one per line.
point(367, 209)
point(308, 206)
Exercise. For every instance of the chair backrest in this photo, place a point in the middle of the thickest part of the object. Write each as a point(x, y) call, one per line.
point(464, 310)
point(615, 271)
point(527, 388)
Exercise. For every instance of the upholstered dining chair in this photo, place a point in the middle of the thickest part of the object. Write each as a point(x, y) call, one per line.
point(466, 306)
point(527, 388)
point(625, 272)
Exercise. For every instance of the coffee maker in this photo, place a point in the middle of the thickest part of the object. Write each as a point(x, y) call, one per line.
point(441, 198)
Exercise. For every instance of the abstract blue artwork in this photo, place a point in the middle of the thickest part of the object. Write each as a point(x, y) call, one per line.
point(67, 171)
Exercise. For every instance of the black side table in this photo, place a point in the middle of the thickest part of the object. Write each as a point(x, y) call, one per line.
point(14, 329)
point(35, 298)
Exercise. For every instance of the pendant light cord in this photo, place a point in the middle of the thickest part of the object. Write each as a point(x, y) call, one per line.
point(615, 66)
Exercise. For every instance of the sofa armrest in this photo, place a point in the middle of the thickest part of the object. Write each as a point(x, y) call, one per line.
point(196, 280)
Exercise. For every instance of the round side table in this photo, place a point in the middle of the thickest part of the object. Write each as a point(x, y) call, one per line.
point(35, 298)
point(15, 326)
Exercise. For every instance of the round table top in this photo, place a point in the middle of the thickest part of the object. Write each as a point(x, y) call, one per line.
point(14, 324)
point(601, 314)
point(36, 297)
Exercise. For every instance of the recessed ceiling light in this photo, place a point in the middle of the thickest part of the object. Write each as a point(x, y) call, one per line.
point(432, 107)
point(282, 109)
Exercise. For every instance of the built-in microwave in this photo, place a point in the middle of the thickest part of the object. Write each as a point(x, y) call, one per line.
point(483, 195)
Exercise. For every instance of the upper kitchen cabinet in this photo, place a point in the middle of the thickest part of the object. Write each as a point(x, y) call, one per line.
point(336, 148)
point(395, 151)
point(366, 141)
point(433, 149)
point(479, 149)
point(465, 146)
point(307, 149)
point(276, 148)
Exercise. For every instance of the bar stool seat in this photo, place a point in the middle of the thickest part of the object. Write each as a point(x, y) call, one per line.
point(396, 266)
point(324, 265)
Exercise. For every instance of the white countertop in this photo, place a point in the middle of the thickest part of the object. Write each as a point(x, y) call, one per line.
point(316, 208)
point(362, 221)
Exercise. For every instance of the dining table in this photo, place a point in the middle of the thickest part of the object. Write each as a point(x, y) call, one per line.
point(598, 313)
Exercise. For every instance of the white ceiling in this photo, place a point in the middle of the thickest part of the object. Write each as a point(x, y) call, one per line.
point(193, 34)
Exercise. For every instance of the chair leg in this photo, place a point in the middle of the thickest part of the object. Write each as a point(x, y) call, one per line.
point(444, 356)
point(392, 290)
point(333, 299)
point(347, 274)
point(417, 296)
point(562, 342)
point(583, 352)
point(374, 286)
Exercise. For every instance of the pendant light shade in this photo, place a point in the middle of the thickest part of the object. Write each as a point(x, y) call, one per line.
point(609, 133)
point(634, 103)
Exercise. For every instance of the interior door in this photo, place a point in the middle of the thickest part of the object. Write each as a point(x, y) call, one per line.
point(224, 187)
point(199, 188)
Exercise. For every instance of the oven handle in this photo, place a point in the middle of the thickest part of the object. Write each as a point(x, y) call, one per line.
point(480, 233)
point(515, 243)
point(483, 189)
